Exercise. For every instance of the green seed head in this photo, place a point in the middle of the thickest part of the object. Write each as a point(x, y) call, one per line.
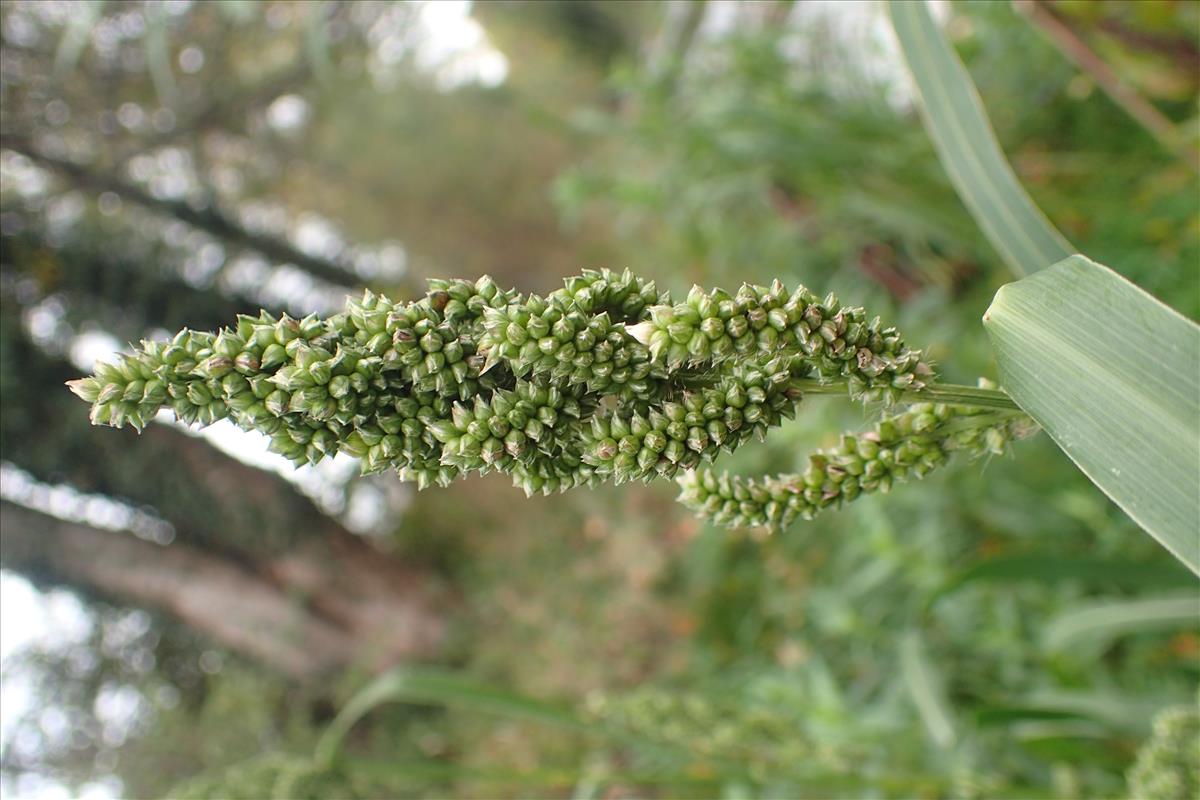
point(603, 379)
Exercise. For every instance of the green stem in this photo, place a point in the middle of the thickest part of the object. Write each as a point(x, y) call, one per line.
point(956, 394)
point(935, 393)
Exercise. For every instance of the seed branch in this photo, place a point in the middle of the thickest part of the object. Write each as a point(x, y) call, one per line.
point(909, 444)
point(952, 393)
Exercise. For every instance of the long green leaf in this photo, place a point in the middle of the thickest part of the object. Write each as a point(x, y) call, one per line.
point(1115, 709)
point(924, 683)
point(1113, 375)
point(1053, 567)
point(967, 146)
point(1100, 623)
point(436, 688)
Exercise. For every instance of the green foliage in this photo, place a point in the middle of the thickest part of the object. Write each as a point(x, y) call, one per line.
point(1058, 362)
point(273, 776)
point(1098, 624)
point(968, 148)
point(434, 687)
point(1120, 399)
point(770, 730)
point(755, 166)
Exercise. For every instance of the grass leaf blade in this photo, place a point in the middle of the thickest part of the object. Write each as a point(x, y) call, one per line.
point(1049, 567)
point(967, 146)
point(924, 684)
point(1113, 376)
point(436, 687)
point(1100, 623)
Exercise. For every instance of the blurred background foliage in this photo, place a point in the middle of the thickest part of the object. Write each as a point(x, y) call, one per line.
point(198, 617)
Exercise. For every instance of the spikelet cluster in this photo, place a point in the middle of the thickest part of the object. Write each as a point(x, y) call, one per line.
point(838, 342)
point(371, 382)
point(906, 445)
point(577, 336)
point(603, 379)
point(1168, 764)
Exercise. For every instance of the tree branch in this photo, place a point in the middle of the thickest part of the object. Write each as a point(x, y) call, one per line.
point(233, 606)
point(1137, 107)
point(209, 219)
point(1180, 48)
point(220, 107)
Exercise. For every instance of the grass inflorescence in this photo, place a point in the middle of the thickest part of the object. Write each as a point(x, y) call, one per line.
point(604, 379)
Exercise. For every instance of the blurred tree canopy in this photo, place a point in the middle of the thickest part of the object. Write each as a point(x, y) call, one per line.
point(171, 164)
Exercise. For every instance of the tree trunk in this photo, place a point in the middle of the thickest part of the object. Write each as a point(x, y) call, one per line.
point(305, 614)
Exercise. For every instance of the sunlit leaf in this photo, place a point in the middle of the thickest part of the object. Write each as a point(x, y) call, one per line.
point(924, 683)
point(1119, 712)
point(435, 688)
point(1100, 623)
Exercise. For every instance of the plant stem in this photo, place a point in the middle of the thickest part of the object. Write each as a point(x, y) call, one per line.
point(965, 396)
point(935, 393)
